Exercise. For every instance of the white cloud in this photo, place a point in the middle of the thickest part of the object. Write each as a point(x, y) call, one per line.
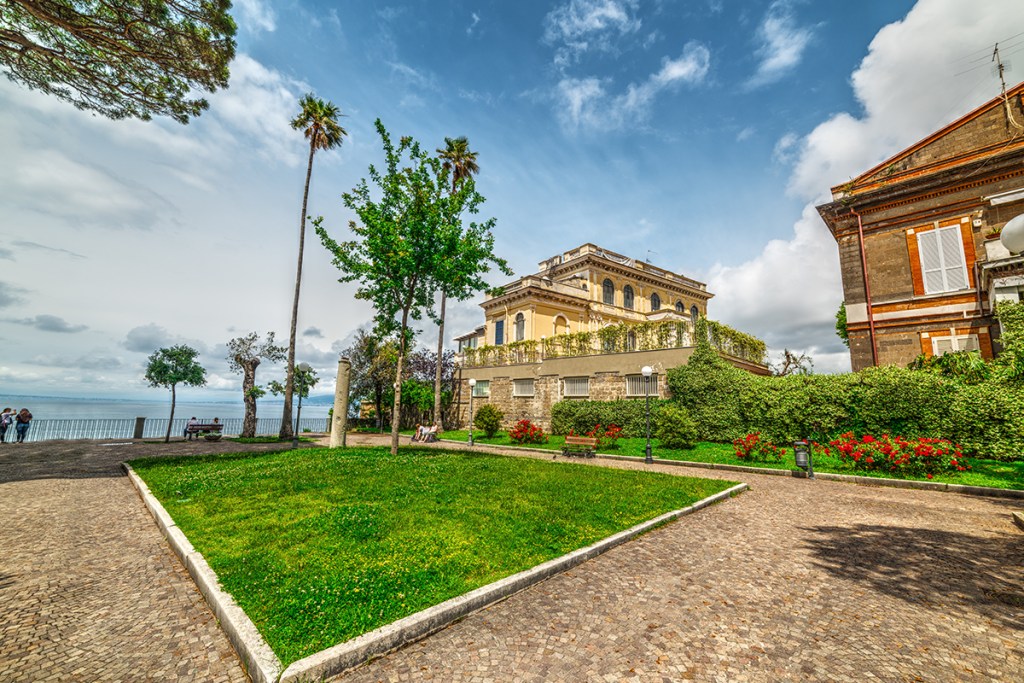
point(255, 16)
point(95, 361)
point(745, 134)
point(10, 294)
point(584, 25)
point(583, 103)
point(49, 323)
point(149, 338)
point(781, 44)
point(786, 148)
point(472, 26)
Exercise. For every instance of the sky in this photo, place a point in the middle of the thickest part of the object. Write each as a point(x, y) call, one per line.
point(697, 134)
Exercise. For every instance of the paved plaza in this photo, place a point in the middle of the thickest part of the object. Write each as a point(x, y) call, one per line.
point(794, 580)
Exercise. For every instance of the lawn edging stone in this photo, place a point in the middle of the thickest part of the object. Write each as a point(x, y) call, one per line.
point(352, 653)
point(1018, 519)
point(259, 660)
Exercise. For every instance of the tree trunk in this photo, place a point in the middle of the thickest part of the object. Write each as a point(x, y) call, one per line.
point(289, 387)
point(248, 382)
point(167, 437)
point(438, 418)
point(396, 412)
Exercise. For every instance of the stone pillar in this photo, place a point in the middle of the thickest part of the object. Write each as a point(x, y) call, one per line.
point(339, 422)
point(140, 427)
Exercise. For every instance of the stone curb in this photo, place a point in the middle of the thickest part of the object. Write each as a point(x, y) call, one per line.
point(828, 476)
point(349, 654)
point(1018, 519)
point(259, 660)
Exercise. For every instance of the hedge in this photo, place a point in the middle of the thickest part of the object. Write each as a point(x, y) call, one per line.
point(582, 416)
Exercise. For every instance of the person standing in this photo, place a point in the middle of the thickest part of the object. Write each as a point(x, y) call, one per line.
point(21, 424)
point(6, 418)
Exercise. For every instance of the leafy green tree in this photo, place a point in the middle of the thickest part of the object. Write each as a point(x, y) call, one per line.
point(244, 356)
point(304, 381)
point(841, 324)
point(120, 58)
point(169, 367)
point(318, 121)
point(793, 363)
point(372, 373)
point(394, 258)
point(465, 253)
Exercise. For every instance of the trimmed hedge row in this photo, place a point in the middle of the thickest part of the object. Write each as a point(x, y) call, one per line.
point(986, 419)
point(582, 416)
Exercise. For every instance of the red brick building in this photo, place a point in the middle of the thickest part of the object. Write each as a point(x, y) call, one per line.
point(921, 262)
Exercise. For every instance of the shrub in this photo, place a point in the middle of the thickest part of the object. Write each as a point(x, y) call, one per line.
point(581, 416)
point(754, 448)
point(525, 431)
point(488, 419)
point(988, 420)
point(897, 454)
point(675, 429)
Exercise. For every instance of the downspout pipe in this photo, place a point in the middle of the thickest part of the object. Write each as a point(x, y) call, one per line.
point(867, 286)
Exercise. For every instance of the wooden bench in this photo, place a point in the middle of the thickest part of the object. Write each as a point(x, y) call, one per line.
point(200, 428)
point(582, 446)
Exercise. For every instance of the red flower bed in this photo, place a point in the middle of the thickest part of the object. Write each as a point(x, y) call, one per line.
point(897, 454)
point(607, 437)
point(752, 447)
point(525, 431)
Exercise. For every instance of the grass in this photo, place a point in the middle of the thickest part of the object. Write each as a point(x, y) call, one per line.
point(319, 546)
point(266, 439)
point(991, 473)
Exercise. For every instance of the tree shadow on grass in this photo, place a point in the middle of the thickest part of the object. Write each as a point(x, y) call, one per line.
point(939, 570)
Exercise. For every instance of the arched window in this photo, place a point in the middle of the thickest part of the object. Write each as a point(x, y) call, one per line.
point(694, 314)
point(631, 341)
point(680, 308)
point(655, 302)
point(627, 297)
point(520, 327)
point(608, 292)
point(561, 324)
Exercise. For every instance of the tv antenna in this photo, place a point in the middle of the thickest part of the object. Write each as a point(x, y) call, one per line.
point(649, 252)
point(1001, 69)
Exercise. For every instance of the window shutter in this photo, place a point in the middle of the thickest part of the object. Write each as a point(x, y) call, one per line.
point(941, 345)
point(931, 261)
point(953, 258)
point(968, 342)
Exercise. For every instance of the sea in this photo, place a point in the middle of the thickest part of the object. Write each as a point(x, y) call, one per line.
point(65, 408)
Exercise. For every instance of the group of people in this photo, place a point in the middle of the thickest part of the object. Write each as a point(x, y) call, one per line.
point(20, 420)
point(427, 433)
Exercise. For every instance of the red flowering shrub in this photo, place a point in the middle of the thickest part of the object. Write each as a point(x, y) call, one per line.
point(896, 454)
point(752, 447)
point(607, 437)
point(525, 431)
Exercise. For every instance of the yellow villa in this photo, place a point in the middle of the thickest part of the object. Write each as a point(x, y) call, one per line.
point(582, 327)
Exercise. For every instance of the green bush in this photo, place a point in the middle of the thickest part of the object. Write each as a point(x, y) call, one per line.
point(988, 419)
point(488, 418)
point(675, 428)
point(709, 389)
point(581, 416)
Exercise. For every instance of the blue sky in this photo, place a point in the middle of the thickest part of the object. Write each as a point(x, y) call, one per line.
point(700, 134)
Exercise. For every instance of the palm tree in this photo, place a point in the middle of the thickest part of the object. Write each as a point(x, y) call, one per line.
point(461, 162)
point(318, 121)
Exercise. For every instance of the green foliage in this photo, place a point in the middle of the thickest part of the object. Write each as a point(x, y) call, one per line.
point(1011, 360)
point(734, 342)
point(674, 428)
point(967, 366)
point(756, 448)
point(169, 367)
point(988, 419)
point(581, 416)
point(304, 381)
point(709, 389)
point(120, 58)
point(841, 324)
point(488, 418)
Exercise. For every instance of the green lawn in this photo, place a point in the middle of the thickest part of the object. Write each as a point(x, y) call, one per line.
point(993, 473)
point(319, 546)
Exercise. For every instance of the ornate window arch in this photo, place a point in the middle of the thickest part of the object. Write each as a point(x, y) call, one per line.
point(680, 308)
point(520, 327)
point(694, 314)
point(655, 302)
point(562, 328)
point(627, 297)
point(608, 292)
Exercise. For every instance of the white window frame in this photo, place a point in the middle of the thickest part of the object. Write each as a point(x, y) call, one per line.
point(958, 342)
point(519, 388)
point(941, 267)
point(571, 387)
point(482, 389)
point(635, 385)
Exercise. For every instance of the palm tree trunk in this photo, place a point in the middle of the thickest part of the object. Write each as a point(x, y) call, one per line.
point(438, 418)
point(289, 388)
point(167, 437)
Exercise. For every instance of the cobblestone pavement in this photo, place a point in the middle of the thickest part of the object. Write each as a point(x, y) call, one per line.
point(794, 580)
point(89, 589)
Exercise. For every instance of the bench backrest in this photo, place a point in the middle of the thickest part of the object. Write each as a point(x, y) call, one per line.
point(581, 441)
point(206, 427)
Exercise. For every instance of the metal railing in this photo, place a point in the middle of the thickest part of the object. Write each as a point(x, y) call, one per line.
point(152, 428)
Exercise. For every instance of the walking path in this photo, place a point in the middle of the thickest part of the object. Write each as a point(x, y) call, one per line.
point(794, 580)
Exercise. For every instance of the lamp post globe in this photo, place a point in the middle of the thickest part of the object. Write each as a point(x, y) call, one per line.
point(472, 385)
point(1012, 235)
point(647, 371)
point(303, 368)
